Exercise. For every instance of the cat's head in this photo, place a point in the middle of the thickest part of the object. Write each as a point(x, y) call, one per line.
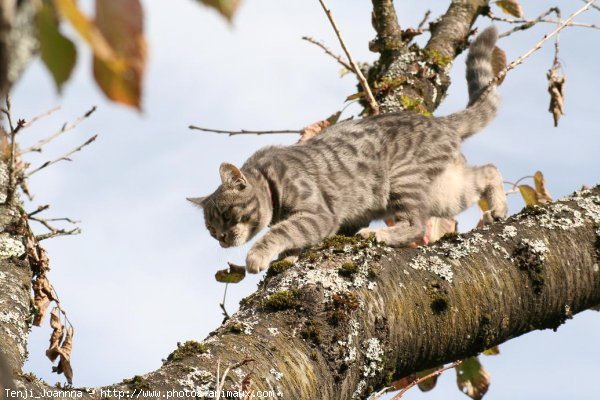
point(237, 210)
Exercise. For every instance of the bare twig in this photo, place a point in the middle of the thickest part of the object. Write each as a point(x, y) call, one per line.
point(338, 58)
point(40, 116)
point(363, 81)
point(525, 24)
point(62, 158)
point(13, 144)
point(56, 232)
point(593, 6)
point(39, 210)
point(424, 20)
point(243, 131)
point(65, 128)
point(424, 378)
point(539, 44)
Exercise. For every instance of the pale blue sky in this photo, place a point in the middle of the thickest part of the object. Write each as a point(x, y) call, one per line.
point(140, 277)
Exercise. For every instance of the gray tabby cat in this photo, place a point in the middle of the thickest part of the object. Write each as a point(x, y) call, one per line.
point(400, 165)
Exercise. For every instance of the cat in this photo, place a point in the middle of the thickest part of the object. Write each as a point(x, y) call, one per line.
point(399, 165)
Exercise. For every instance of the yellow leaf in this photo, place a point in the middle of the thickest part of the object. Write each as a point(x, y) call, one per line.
point(492, 351)
point(122, 25)
point(90, 33)
point(529, 195)
point(483, 204)
point(511, 7)
point(355, 96)
point(234, 274)
point(226, 8)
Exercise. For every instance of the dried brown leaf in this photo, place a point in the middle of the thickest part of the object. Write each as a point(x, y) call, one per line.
point(42, 296)
point(555, 88)
point(403, 382)
point(543, 195)
point(64, 363)
point(57, 335)
point(511, 7)
point(312, 130)
point(498, 62)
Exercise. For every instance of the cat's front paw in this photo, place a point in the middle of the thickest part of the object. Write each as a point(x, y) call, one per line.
point(378, 234)
point(257, 260)
point(366, 233)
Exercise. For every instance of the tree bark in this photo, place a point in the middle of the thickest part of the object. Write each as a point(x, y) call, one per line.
point(351, 315)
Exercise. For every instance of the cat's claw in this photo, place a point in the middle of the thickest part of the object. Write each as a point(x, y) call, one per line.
point(257, 261)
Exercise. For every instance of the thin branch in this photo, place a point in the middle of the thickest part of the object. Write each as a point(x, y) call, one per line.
point(528, 23)
point(424, 20)
point(13, 144)
point(243, 131)
point(65, 128)
point(39, 210)
point(423, 378)
point(539, 44)
point(338, 58)
point(222, 304)
point(54, 232)
point(363, 81)
point(69, 220)
point(593, 6)
point(62, 158)
point(40, 116)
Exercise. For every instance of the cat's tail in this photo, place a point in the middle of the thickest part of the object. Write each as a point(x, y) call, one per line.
point(483, 98)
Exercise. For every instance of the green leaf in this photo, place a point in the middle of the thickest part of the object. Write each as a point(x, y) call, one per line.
point(234, 274)
point(511, 7)
point(122, 25)
point(472, 379)
point(429, 383)
point(58, 53)
point(226, 8)
point(529, 195)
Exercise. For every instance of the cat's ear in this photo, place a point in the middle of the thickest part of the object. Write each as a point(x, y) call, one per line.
point(231, 176)
point(198, 201)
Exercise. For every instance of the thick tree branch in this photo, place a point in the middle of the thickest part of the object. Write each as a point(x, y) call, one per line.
point(408, 78)
point(449, 34)
point(385, 22)
point(353, 315)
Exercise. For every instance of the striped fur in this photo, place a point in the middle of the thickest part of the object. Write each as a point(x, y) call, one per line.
point(401, 165)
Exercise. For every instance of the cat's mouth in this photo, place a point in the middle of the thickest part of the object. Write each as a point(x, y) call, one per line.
point(224, 244)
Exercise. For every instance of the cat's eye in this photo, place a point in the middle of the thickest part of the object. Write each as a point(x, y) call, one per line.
point(226, 215)
point(245, 218)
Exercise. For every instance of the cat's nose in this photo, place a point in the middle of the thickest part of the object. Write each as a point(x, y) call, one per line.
point(222, 236)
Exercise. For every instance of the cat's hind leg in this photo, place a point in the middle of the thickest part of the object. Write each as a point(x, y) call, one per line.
point(410, 211)
point(488, 182)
